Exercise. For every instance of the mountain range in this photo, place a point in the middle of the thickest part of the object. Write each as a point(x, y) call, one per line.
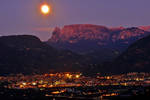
point(85, 48)
point(99, 42)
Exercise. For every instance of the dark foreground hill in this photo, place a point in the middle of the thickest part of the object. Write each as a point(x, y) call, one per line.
point(27, 54)
point(136, 58)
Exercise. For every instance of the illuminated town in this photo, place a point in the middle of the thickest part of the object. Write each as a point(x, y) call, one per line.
point(68, 79)
point(77, 85)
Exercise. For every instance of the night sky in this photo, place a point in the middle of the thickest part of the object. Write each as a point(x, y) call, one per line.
point(24, 17)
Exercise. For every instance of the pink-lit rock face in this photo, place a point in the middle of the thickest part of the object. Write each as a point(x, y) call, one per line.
point(75, 33)
point(145, 28)
point(128, 33)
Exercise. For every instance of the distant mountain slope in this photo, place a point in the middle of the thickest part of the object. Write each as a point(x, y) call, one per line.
point(135, 58)
point(27, 54)
point(87, 38)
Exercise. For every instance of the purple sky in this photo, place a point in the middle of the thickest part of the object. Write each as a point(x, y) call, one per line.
point(23, 17)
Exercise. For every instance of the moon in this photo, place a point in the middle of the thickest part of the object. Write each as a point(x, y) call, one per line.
point(45, 9)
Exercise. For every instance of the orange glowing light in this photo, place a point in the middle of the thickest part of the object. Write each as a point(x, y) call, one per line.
point(45, 9)
point(77, 76)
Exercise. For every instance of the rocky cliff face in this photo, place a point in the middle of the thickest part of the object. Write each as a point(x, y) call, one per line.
point(75, 33)
point(87, 38)
point(100, 34)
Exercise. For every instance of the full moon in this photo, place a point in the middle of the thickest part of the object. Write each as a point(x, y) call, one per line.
point(45, 9)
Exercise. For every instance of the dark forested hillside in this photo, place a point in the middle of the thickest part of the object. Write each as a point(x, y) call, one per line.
point(27, 54)
point(136, 58)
